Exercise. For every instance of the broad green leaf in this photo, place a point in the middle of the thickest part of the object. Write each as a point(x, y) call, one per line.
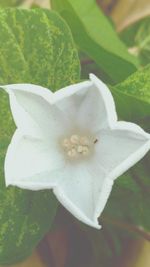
point(132, 97)
point(36, 46)
point(137, 38)
point(94, 35)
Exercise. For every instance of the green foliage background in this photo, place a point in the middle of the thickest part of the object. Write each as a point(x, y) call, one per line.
point(36, 46)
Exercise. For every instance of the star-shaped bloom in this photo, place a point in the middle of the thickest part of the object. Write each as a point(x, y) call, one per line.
point(70, 141)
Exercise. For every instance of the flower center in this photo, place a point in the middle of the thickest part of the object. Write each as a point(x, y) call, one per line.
point(77, 145)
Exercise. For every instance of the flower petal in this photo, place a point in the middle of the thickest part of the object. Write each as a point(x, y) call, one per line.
point(120, 148)
point(87, 103)
point(80, 190)
point(69, 100)
point(98, 107)
point(33, 112)
point(29, 162)
point(106, 99)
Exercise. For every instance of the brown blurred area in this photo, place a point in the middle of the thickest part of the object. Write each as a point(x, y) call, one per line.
point(107, 5)
point(33, 261)
point(122, 12)
point(41, 3)
point(137, 254)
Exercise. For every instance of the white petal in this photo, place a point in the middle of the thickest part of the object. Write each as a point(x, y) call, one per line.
point(29, 162)
point(120, 148)
point(83, 191)
point(106, 99)
point(87, 103)
point(33, 112)
point(71, 90)
point(69, 100)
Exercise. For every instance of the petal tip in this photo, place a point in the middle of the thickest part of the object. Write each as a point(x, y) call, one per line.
point(91, 76)
point(98, 226)
point(4, 89)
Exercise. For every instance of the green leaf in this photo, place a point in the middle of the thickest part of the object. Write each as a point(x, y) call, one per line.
point(137, 38)
point(94, 35)
point(36, 46)
point(132, 97)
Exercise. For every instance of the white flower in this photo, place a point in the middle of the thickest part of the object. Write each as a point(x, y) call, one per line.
point(70, 141)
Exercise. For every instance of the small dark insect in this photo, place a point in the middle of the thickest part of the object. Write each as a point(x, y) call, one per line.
point(95, 141)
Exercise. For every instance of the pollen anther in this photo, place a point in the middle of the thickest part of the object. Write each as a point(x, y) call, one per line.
point(77, 145)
